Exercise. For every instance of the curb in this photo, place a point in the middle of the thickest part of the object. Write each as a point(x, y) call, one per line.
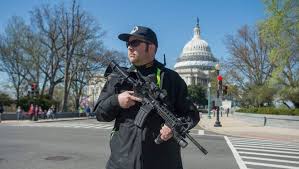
point(57, 120)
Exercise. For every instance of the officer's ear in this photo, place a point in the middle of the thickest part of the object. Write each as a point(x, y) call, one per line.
point(152, 48)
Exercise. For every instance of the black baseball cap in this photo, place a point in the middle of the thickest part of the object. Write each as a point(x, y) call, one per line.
point(141, 32)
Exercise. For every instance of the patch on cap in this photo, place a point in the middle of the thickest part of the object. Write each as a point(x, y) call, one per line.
point(135, 29)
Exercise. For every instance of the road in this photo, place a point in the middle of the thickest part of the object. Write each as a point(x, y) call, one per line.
point(85, 144)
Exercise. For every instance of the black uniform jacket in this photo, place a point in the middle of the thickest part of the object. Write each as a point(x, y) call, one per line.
point(133, 147)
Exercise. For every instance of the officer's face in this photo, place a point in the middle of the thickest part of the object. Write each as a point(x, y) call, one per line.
point(138, 52)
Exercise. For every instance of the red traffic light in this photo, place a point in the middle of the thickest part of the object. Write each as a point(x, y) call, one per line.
point(219, 78)
point(33, 86)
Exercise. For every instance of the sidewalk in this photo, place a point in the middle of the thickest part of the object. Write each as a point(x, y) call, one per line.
point(234, 126)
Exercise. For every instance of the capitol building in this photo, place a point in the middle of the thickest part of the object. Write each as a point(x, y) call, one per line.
point(196, 60)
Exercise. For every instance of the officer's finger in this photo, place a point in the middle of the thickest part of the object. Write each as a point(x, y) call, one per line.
point(130, 92)
point(135, 98)
point(166, 128)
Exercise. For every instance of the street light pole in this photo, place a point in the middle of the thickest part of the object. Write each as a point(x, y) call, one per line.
point(219, 90)
point(209, 100)
point(93, 96)
point(33, 97)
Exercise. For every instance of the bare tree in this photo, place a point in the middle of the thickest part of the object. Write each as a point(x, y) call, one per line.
point(13, 58)
point(46, 21)
point(83, 65)
point(76, 28)
point(61, 49)
point(93, 61)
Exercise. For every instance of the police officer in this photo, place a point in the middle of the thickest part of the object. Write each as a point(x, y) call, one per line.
point(133, 147)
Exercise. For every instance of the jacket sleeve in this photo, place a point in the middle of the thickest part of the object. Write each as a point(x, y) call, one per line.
point(107, 106)
point(187, 110)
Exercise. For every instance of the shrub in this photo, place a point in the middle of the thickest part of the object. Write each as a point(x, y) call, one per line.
point(270, 110)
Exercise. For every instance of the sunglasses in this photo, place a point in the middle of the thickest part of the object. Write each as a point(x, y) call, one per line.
point(135, 43)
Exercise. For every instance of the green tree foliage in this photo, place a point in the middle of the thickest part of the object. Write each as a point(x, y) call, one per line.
point(259, 96)
point(197, 95)
point(281, 31)
point(5, 99)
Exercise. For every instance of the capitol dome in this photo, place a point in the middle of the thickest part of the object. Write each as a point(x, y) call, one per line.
point(196, 60)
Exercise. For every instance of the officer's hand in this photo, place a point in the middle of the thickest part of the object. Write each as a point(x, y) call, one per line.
point(166, 133)
point(126, 99)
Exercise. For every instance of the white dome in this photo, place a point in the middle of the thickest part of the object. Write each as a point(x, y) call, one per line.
point(196, 53)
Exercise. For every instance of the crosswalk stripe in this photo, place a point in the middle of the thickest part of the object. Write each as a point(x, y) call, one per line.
point(88, 126)
point(265, 147)
point(282, 145)
point(66, 125)
point(292, 148)
point(264, 142)
point(200, 132)
point(270, 151)
point(240, 162)
point(261, 153)
point(267, 154)
point(259, 140)
point(270, 159)
point(197, 132)
point(109, 127)
point(272, 165)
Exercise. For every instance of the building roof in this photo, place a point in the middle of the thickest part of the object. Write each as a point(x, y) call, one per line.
point(196, 53)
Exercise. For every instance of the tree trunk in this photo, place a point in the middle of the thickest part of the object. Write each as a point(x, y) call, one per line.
point(51, 90)
point(66, 88)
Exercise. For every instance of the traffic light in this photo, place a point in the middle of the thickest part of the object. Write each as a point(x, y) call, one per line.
point(33, 87)
point(225, 87)
point(219, 78)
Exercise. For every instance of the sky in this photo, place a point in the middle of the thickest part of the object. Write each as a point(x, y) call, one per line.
point(173, 21)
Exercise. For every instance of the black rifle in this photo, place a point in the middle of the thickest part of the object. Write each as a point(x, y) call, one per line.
point(150, 94)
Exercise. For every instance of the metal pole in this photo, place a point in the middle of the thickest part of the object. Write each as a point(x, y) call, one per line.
point(209, 100)
point(36, 93)
point(93, 96)
point(219, 88)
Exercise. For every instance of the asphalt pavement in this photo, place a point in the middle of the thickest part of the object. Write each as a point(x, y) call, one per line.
point(249, 141)
point(84, 143)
